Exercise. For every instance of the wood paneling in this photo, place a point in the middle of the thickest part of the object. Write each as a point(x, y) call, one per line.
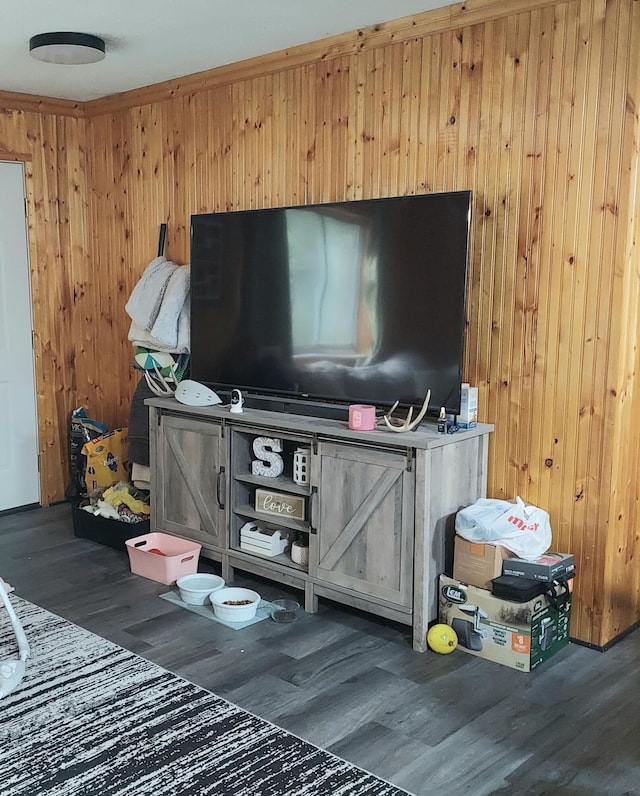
point(532, 104)
point(11, 100)
point(617, 572)
point(52, 147)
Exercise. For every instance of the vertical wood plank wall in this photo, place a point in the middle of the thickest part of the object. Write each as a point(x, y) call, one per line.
point(532, 104)
point(49, 138)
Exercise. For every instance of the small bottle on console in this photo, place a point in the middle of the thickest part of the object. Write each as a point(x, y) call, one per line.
point(442, 421)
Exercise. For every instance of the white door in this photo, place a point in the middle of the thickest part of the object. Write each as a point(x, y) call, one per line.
point(19, 478)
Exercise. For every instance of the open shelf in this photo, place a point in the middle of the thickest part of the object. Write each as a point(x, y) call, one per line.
point(284, 522)
point(283, 559)
point(281, 483)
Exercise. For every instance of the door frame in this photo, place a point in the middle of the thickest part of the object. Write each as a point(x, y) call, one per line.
point(24, 158)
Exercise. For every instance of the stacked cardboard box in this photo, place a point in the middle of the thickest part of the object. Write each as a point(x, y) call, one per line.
point(514, 633)
point(477, 564)
point(548, 567)
point(519, 635)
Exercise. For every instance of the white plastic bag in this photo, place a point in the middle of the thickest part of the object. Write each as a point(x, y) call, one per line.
point(525, 530)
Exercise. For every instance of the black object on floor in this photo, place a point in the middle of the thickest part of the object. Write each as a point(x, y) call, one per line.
point(112, 533)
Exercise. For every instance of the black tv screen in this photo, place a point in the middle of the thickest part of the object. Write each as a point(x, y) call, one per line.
point(349, 302)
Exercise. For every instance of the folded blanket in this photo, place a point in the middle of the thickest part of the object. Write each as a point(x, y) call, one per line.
point(173, 308)
point(141, 338)
point(146, 297)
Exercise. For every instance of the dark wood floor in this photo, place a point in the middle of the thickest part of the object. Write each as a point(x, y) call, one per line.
point(350, 683)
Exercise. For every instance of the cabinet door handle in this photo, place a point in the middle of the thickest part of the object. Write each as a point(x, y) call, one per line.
point(220, 487)
point(312, 509)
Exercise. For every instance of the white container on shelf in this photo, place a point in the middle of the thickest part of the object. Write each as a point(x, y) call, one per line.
point(266, 542)
point(300, 554)
point(301, 464)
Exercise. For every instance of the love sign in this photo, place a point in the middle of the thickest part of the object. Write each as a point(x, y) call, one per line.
point(279, 504)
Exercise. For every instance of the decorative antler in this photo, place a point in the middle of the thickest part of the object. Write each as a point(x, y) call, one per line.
point(397, 424)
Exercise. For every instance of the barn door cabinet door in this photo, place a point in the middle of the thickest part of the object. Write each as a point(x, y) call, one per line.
point(364, 517)
point(189, 491)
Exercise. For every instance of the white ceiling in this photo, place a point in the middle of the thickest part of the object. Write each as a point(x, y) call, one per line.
point(151, 41)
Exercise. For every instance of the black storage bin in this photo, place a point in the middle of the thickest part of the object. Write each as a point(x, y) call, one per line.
point(112, 533)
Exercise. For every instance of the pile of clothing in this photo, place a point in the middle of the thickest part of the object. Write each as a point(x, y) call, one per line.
point(121, 501)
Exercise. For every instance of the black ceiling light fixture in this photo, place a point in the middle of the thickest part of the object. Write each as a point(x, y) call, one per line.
point(67, 48)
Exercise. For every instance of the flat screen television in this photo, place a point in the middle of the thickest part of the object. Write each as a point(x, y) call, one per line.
point(317, 307)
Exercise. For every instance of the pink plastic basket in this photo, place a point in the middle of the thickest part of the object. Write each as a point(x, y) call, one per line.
point(180, 557)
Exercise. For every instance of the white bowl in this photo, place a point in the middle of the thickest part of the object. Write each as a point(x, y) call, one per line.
point(195, 589)
point(234, 613)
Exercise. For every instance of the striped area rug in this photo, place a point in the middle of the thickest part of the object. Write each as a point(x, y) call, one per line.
point(91, 718)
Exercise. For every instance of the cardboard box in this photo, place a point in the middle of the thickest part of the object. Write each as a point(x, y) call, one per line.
point(468, 417)
point(518, 635)
point(548, 567)
point(477, 564)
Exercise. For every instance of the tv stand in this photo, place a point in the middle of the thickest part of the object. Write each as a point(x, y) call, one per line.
point(375, 515)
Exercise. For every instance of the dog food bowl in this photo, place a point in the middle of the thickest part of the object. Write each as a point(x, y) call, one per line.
point(223, 604)
point(195, 589)
point(284, 610)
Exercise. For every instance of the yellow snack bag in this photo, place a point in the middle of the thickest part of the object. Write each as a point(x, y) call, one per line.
point(107, 459)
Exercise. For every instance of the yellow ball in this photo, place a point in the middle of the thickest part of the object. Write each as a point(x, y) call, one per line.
point(442, 639)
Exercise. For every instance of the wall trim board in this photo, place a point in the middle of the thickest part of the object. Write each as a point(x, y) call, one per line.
point(612, 643)
point(22, 157)
point(393, 32)
point(14, 101)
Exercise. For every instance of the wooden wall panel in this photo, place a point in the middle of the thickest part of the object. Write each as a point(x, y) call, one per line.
point(532, 104)
point(49, 139)
point(620, 574)
point(526, 108)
